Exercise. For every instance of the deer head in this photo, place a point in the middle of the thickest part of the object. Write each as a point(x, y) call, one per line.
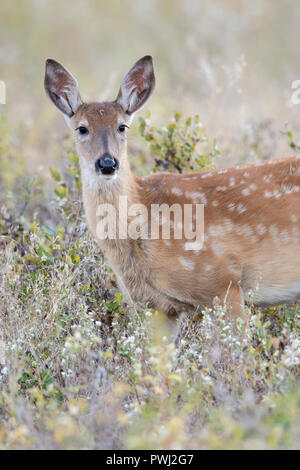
point(101, 128)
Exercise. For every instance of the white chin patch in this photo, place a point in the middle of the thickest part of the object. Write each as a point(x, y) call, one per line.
point(108, 177)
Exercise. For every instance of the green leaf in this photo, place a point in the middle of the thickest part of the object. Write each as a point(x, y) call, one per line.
point(119, 297)
point(48, 230)
point(76, 259)
point(61, 190)
point(55, 174)
point(177, 116)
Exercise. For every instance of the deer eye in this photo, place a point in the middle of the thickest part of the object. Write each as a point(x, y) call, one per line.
point(122, 128)
point(82, 130)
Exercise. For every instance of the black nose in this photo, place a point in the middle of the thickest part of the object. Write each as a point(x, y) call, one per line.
point(107, 165)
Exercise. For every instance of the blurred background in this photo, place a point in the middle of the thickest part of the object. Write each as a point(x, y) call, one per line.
point(232, 62)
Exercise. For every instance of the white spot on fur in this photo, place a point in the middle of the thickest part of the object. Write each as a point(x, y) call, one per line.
point(241, 208)
point(276, 193)
point(176, 191)
point(218, 248)
point(228, 225)
point(197, 195)
point(194, 246)
point(274, 232)
point(221, 188)
point(246, 192)
point(231, 206)
point(203, 199)
point(215, 230)
point(244, 230)
point(284, 236)
point(296, 231)
point(206, 175)
point(267, 178)
point(261, 229)
point(215, 203)
point(188, 264)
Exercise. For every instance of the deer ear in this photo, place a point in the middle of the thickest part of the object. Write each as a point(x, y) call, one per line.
point(62, 88)
point(137, 85)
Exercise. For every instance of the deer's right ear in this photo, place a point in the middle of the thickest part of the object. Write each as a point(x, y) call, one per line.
point(62, 88)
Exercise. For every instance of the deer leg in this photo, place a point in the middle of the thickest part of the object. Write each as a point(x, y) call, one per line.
point(233, 300)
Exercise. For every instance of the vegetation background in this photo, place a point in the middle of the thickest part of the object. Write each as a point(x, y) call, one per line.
point(78, 367)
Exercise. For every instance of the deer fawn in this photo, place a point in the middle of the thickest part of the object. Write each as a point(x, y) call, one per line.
point(251, 213)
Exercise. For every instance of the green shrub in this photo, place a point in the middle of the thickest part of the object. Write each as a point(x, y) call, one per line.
point(181, 146)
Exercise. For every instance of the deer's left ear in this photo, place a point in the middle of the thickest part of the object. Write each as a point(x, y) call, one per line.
point(137, 85)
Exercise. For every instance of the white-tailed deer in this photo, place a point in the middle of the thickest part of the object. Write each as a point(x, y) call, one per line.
point(251, 213)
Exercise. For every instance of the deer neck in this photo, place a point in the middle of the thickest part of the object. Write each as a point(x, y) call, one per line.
point(101, 193)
